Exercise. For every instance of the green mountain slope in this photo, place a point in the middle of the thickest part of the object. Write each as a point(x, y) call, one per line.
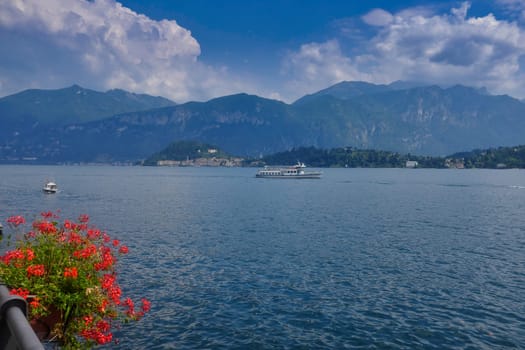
point(494, 158)
point(350, 89)
point(345, 90)
point(72, 105)
point(427, 120)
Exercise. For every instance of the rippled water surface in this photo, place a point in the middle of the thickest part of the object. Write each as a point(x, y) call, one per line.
point(363, 258)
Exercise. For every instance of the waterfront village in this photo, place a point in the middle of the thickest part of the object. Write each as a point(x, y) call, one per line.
point(197, 154)
point(213, 157)
point(212, 161)
point(238, 162)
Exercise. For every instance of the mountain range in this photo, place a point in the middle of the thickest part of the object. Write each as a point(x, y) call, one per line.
point(80, 125)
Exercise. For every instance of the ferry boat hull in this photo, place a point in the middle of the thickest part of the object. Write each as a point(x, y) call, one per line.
point(292, 172)
point(301, 176)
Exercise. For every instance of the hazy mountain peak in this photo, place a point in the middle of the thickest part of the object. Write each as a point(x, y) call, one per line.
point(346, 90)
point(405, 85)
point(73, 104)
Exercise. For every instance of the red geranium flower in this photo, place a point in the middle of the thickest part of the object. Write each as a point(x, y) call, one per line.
point(70, 267)
point(71, 272)
point(35, 270)
point(20, 292)
point(47, 214)
point(16, 220)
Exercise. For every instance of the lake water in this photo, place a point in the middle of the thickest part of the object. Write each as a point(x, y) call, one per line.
point(363, 258)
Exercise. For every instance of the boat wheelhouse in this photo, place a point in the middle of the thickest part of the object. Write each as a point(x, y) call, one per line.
point(50, 187)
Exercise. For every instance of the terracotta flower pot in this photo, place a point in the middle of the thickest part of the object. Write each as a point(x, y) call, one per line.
point(45, 327)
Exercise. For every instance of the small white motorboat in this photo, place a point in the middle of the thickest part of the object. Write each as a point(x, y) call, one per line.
point(50, 187)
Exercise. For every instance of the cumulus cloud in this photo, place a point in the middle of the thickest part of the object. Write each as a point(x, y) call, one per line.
point(445, 48)
point(378, 17)
point(318, 65)
point(454, 48)
point(100, 44)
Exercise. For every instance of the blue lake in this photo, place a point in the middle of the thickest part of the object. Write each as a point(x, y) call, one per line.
point(362, 258)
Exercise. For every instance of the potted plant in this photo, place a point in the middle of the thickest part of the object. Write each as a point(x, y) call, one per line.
point(67, 273)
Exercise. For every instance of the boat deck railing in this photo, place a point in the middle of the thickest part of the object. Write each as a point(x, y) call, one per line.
point(15, 330)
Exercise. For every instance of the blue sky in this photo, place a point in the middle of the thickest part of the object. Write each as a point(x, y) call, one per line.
point(200, 49)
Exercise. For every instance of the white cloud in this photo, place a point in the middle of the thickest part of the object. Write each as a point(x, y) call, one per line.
point(378, 17)
point(318, 65)
point(461, 12)
point(101, 45)
point(418, 46)
point(453, 49)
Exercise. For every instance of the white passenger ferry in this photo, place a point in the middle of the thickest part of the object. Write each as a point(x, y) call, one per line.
point(290, 172)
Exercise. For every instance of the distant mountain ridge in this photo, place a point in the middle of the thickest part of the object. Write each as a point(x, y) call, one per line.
point(400, 117)
point(73, 104)
point(349, 89)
